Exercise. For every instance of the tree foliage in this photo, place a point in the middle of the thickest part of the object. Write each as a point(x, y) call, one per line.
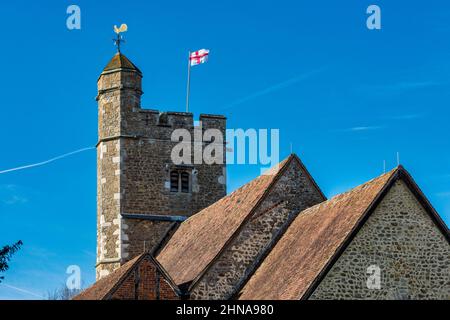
point(63, 293)
point(5, 256)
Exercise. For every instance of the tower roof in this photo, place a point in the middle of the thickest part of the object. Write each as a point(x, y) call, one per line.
point(119, 61)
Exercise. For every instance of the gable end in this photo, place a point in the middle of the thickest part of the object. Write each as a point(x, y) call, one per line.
point(399, 179)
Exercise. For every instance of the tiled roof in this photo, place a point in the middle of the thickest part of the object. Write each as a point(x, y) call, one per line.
point(200, 238)
point(310, 242)
point(296, 263)
point(100, 289)
point(119, 61)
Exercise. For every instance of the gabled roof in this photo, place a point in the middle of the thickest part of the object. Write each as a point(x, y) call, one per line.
point(106, 286)
point(201, 238)
point(318, 236)
point(119, 61)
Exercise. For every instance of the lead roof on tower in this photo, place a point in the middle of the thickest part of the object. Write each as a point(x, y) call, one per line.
point(119, 61)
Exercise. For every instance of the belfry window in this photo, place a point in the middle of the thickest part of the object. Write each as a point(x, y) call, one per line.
point(179, 181)
point(184, 177)
point(174, 177)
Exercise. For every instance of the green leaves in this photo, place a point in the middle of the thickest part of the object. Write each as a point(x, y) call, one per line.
point(5, 255)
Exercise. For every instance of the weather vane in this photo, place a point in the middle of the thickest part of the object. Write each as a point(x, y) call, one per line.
point(117, 41)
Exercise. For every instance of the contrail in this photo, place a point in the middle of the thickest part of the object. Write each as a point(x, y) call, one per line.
point(23, 291)
point(275, 87)
point(46, 161)
point(361, 128)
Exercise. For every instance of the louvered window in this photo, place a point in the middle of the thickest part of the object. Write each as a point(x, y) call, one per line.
point(179, 181)
point(174, 179)
point(185, 182)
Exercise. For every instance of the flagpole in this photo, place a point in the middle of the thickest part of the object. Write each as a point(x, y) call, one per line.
point(188, 82)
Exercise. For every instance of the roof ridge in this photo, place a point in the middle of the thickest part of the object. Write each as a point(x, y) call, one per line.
point(397, 173)
point(281, 166)
point(244, 200)
point(360, 186)
point(316, 213)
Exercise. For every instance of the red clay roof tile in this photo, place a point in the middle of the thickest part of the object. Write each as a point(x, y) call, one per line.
point(200, 238)
point(309, 243)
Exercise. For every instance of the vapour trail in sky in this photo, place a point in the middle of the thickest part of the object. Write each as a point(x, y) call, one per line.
point(23, 291)
point(29, 166)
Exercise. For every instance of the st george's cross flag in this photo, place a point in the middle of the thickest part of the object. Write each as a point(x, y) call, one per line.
point(198, 57)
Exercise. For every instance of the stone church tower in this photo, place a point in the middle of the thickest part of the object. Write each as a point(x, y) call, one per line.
point(141, 194)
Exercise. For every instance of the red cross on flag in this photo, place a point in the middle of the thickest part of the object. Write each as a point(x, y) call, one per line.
point(198, 57)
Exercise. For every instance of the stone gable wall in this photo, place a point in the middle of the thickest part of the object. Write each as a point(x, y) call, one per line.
point(401, 239)
point(292, 193)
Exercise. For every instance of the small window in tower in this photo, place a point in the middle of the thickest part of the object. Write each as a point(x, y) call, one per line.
point(185, 182)
point(174, 181)
point(179, 181)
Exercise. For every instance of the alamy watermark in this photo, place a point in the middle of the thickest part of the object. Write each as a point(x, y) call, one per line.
point(73, 281)
point(374, 20)
point(73, 21)
point(242, 147)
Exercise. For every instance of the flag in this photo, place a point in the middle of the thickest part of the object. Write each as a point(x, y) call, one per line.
point(198, 57)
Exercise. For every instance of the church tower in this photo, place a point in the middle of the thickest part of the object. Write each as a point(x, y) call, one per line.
point(142, 196)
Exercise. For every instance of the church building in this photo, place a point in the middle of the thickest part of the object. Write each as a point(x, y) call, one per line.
point(170, 231)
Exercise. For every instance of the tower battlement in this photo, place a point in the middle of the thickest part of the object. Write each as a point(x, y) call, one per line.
point(155, 124)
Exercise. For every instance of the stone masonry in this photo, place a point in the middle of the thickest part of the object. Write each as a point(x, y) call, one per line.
point(225, 277)
point(401, 239)
point(134, 165)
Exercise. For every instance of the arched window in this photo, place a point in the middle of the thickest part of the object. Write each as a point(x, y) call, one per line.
point(179, 181)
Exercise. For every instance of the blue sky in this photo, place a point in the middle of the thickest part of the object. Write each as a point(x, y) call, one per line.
point(347, 98)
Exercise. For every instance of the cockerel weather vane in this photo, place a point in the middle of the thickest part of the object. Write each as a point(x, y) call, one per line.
point(117, 41)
